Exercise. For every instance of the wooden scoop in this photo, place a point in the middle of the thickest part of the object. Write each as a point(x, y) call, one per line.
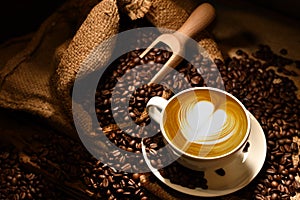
point(197, 21)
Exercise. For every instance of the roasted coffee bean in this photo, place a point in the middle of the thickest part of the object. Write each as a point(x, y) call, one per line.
point(259, 197)
point(294, 148)
point(274, 184)
point(274, 196)
point(283, 51)
point(239, 52)
point(218, 62)
point(271, 171)
point(220, 172)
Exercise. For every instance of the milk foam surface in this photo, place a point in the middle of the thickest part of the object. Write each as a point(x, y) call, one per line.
point(203, 122)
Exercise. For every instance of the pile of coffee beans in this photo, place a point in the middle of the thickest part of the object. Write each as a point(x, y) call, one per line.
point(122, 95)
point(105, 182)
point(19, 183)
point(77, 167)
point(271, 98)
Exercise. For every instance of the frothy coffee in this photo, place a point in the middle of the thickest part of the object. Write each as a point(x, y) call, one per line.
point(205, 123)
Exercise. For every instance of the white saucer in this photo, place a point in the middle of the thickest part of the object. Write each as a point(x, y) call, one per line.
point(236, 177)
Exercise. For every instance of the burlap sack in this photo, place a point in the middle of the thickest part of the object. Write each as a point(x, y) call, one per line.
point(39, 79)
point(25, 79)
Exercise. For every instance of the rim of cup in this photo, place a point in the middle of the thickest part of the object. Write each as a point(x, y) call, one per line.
point(203, 157)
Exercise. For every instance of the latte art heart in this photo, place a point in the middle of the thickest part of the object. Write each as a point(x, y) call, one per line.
point(205, 123)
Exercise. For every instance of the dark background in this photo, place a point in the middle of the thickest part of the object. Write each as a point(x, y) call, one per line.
point(20, 17)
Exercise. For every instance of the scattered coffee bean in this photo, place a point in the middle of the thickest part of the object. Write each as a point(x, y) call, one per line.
point(220, 172)
point(283, 51)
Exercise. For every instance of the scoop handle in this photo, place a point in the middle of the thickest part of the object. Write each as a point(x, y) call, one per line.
point(200, 18)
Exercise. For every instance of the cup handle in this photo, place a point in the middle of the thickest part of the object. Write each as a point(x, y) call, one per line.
point(153, 106)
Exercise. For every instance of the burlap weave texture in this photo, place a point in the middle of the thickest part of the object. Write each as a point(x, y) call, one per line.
point(39, 79)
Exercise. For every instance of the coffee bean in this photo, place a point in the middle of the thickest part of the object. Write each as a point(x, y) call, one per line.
point(126, 167)
point(220, 172)
point(153, 145)
point(196, 80)
point(105, 182)
point(294, 148)
point(23, 195)
point(274, 196)
point(218, 62)
point(271, 171)
point(274, 184)
point(259, 197)
point(283, 51)
point(239, 52)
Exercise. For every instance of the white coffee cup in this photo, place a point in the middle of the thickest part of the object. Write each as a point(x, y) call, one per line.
point(206, 128)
